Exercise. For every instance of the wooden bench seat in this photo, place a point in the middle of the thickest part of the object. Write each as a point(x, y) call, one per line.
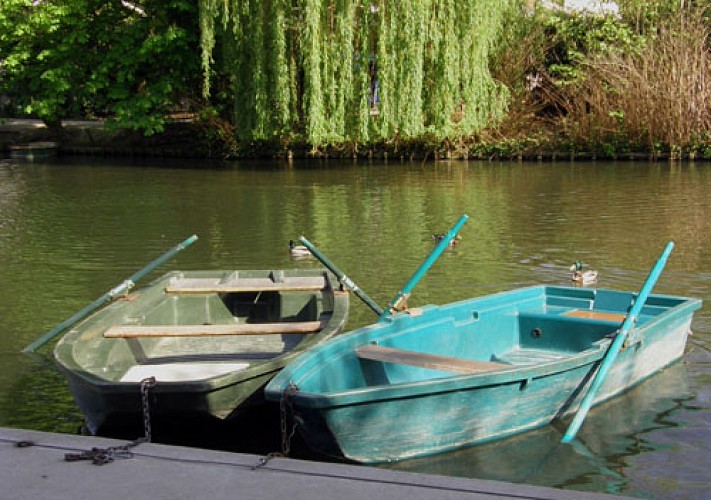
point(215, 285)
point(588, 314)
point(424, 360)
point(133, 331)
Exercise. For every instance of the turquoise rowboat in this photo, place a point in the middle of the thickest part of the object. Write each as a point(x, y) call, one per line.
point(211, 340)
point(440, 378)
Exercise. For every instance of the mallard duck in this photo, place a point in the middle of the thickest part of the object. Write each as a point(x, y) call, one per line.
point(440, 236)
point(298, 250)
point(583, 277)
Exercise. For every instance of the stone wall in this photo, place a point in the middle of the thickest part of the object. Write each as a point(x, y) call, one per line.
point(180, 139)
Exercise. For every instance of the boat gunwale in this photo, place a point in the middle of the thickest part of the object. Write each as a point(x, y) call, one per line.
point(65, 360)
point(451, 383)
point(460, 382)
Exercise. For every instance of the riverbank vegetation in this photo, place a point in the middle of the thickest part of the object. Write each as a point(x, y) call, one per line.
point(615, 86)
point(395, 78)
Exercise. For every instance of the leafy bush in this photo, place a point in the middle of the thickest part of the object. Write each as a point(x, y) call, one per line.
point(91, 58)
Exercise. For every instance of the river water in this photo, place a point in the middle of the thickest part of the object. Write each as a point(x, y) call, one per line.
point(71, 229)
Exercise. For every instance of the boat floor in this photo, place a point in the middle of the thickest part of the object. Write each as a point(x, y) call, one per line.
point(529, 356)
point(180, 372)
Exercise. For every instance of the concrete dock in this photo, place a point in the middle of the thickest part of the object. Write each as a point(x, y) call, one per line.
point(34, 466)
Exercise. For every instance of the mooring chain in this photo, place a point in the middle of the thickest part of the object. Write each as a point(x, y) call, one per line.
point(101, 456)
point(146, 385)
point(285, 409)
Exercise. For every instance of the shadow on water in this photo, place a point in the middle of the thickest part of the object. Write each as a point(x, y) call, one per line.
point(256, 430)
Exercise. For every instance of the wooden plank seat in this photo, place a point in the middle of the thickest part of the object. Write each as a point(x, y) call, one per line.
point(134, 331)
point(424, 360)
point(215, 285)
point(587, 314)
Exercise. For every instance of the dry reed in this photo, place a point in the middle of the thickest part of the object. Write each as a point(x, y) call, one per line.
point(659, 97)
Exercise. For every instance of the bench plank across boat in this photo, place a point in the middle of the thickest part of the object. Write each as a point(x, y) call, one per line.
point(211, 339)
point(468, 372)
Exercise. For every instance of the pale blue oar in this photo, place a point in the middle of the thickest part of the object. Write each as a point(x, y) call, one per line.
point(401, 297)
point(617, 344)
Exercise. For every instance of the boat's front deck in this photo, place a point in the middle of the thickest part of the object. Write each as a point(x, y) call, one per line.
point(523, 357)
point(180, 372)
point(185, 358)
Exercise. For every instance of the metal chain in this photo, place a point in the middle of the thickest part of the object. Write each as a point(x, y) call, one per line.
point(285, 408)
point(146, 385)
point(101, 456)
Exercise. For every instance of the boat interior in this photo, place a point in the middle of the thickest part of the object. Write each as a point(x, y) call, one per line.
point(505, 331)
point(202, 327)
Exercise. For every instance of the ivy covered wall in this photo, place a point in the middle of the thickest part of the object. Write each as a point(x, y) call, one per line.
point(332, 72)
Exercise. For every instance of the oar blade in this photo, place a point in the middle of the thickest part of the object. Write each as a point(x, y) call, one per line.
point(617, 344)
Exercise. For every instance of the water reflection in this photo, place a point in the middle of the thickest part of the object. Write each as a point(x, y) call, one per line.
point(73, 229)
point(598, 460)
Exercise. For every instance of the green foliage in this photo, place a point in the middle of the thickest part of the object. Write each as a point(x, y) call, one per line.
point(577, 37)
point(520, 51)
point(84, 58)
point(308, 70)
point(646, 15)
point(631, 81)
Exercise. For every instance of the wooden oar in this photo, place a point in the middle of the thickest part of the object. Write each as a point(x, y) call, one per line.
point(118, 290)
point(616, 345)
point(349, 283)
point(401, 297)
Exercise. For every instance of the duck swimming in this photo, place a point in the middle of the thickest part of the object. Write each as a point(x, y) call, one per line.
point(440, 236)
point(298, 250)
point(583, 277)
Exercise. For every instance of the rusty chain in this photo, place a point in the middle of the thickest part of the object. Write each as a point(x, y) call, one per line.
point(102, 456)
point(285, 409)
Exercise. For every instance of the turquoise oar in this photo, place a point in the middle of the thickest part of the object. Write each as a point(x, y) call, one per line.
point(120, 289)
point(407, 289)
point(401, 298)
point(342, 277)
point(617, 344)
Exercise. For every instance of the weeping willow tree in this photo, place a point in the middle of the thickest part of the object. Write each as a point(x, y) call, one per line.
point(356, 71)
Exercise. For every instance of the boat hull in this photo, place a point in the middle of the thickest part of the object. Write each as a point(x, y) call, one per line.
point(111, 409)
point(187, 330)
point(393, 412)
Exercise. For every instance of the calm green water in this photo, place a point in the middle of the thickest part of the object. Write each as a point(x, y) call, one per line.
point(73, 229)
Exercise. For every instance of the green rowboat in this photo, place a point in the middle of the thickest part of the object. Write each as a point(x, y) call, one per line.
point(210, 339)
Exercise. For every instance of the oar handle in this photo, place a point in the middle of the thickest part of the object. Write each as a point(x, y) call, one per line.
point(403, 294)
point(119, 289)
point(163, 258)
point(349, 283)
point(616, 345)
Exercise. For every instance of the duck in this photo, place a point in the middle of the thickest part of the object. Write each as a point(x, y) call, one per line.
point(440, 236)
point(298, 250)
point(583, 277)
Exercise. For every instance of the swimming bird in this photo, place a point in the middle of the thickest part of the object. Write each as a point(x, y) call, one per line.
point(440, 236)
point(583, 277)
point(298, 250)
